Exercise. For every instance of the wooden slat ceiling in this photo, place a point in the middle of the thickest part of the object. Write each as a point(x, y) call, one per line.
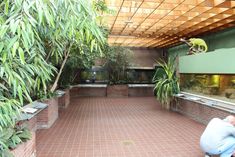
point(161, 23)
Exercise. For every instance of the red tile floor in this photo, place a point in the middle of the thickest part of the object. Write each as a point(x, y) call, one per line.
point(119, 127)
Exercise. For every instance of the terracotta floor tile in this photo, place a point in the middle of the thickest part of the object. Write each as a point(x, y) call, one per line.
point(119, 127)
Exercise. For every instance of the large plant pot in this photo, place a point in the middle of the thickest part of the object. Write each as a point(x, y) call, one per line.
point(64, 100)
point(49, 115)
point(26, 149)
point(117, 91)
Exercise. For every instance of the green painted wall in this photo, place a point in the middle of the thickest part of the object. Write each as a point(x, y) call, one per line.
point(222, 39)
point(220, 61)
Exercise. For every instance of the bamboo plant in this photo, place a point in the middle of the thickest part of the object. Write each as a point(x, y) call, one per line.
point(31, 34)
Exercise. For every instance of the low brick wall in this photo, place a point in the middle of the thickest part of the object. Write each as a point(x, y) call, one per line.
point(74, 91)
point(117, 91)
point(140, 91)
point(26, 149)
point(88, 91)
point(32, 124)
point(64, 100)
point(67, 98)
point(96, 90)
point(44, 119)
point(47, 117)
point(197, 111)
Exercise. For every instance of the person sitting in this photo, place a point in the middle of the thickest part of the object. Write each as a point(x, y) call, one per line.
point(219, 137)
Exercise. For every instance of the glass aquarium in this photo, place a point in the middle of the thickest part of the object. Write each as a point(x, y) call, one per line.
point(101, 75)
point(94, 75)
point(211, 85)
point(140, 76)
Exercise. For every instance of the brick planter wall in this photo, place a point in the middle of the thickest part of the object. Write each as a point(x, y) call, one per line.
point(26, 149)
point(47, 117)
point(67, 98)
point(32, 124)
point(88, 91)
point(110, 91)
point(117, 91)
point(64, 100)
point(140, 91)
point(74, 91)
point(198, 112)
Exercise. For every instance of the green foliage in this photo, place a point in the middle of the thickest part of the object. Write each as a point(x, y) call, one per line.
point(72, 66)
point(9, 111)
point(166, 82)
point(79, 60)
point(35, 36)
point(76, 34)
point(23, 69)
point(74, 25)
point(10, 137)
point(117, 61)
point(40, 95)
point(100, 7)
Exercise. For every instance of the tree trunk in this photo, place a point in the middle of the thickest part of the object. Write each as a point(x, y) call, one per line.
point(53, 88)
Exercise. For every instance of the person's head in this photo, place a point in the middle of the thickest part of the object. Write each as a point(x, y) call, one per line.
point(231, 119)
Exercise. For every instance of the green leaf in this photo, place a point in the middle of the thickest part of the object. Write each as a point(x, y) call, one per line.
point(12, 42)
point(25, 40)
point(1, 46)
point(19, 89)
point(14, 48)
point(4, 57)
point(14, 25)
point(3, 30)
point(3, 87)
point(21, 54)
point(6, 6)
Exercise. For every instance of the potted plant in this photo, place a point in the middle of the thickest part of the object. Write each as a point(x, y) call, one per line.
point(166, 82)
point(117, 60)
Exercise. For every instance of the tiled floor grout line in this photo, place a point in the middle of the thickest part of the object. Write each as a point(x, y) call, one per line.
point(119, 127)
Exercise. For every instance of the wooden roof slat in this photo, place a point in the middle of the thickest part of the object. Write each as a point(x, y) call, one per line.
point(148, 16)
point(189, 11)
point(132, 16)
point(176, 42)
point(117, 16)
point(198, 18)
point(181, 17)
point(202, 30)
point(166, 14)
point(161, 23)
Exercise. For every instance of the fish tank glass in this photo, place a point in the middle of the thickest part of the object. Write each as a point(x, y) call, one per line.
point(101, 75)
point(140, 76)
point(211, 85)
point(98, 75)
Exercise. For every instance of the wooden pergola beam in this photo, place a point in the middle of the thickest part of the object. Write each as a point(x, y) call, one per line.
point(163, 22)
point(147, 17)
point(117, 16)
point(203, 31)
point(201, 24)
point(132, 16)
